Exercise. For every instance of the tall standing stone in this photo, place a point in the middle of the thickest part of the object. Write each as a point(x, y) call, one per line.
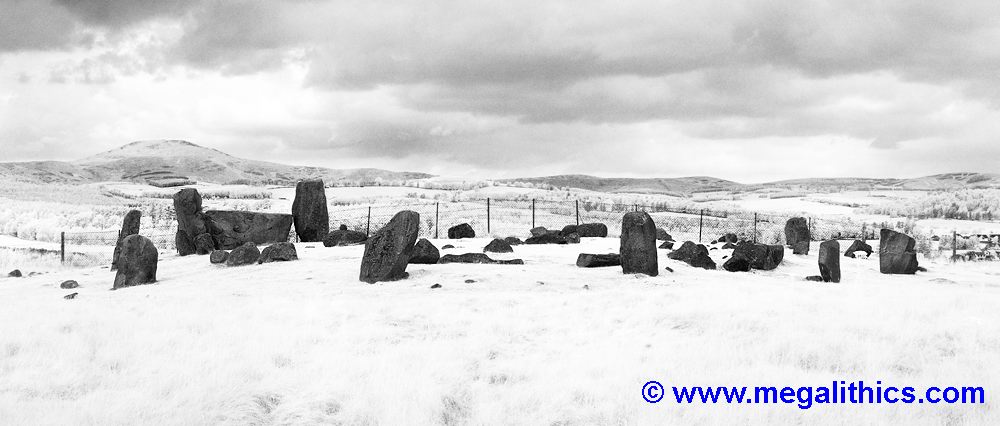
point(311, 218)
point(190, 219)
point(130, 226)
point(137, 262)
point(829, 261)
point(896, 253)
point(638, 244)
point(388, 251)
point(797, 235)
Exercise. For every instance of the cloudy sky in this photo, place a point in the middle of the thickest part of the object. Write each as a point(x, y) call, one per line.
point(746, 90)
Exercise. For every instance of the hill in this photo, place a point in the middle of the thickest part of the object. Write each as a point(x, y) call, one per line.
point(695, 184)
point(167, 162)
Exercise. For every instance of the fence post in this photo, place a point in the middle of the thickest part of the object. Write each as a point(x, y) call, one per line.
point(809, 226)
point(62, 247)
point(532, 213)
point(487, 215)
point(368, 227)
point(701, 223)
point(755, 228)
point(577, 212)
point(954, 244)
point(437, 218)
point(864, 232)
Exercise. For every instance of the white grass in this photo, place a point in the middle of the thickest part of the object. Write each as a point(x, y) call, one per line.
point(306, 343)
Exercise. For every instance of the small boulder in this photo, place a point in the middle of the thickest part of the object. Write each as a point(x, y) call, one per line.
point(662, 235)
point(447, 246)
point(136, 263)
point(693, 254)
point(573, 238)
point(15, 273)
point(728, 238)
point(829, 261)
point(70, 296)
point(435, 286)
point(389, 250)
point(667, 245)
point(539, 231)
point(278, 252)
point(218, 256)
point(246, 254)
point(204, 244)
point(592, 230)
point(344, 237)
point(568, 229)
point(738, 262)
point(587, 260)
point(461, 231)
point(424, 253)
point(797, 235)
point(896, 253)
point(477, 258)
point(857, 246)
point(638, 244)
point(498, 246)
point(70, 284)
point(815, 278)
point(514, 241)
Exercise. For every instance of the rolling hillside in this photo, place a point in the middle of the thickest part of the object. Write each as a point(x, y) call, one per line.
point(166, 161)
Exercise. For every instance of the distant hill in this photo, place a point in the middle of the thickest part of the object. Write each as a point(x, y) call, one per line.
point(168, 162)
point(696, 184)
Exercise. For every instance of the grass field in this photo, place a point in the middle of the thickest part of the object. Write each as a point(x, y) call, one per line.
point(306, 343)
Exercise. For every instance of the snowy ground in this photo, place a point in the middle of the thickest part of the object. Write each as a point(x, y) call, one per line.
point(306, 343)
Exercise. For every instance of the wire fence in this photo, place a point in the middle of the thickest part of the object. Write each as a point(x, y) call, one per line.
point(503, 218)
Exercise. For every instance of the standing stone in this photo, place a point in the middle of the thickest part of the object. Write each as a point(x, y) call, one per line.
point(424, 253)
point(829, 261)
point(592, 230)
point(130, 226)
point(190, 219)
point(896, 253)
point(857, 246)
point(184, 245)
point(311, 218)
point(388, 251)
point(136, 263)
point(246, 254)
point(797, 235)
point(278, 252)
point(461, 231)
point(638, 244)
point(498, 246)
point(204, 243)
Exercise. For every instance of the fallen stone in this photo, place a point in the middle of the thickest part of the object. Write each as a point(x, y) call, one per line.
point(344, 237)
point(204, 244)
point(547, 239)
point(69, 284)
point(246, 254)
point(463, 230)
point(592, 230)
point(477, 258)
point(15, 273)
point(230, 228)
point(514, 241)
point(218, 256)
point(498, 246)
point(587, 260)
